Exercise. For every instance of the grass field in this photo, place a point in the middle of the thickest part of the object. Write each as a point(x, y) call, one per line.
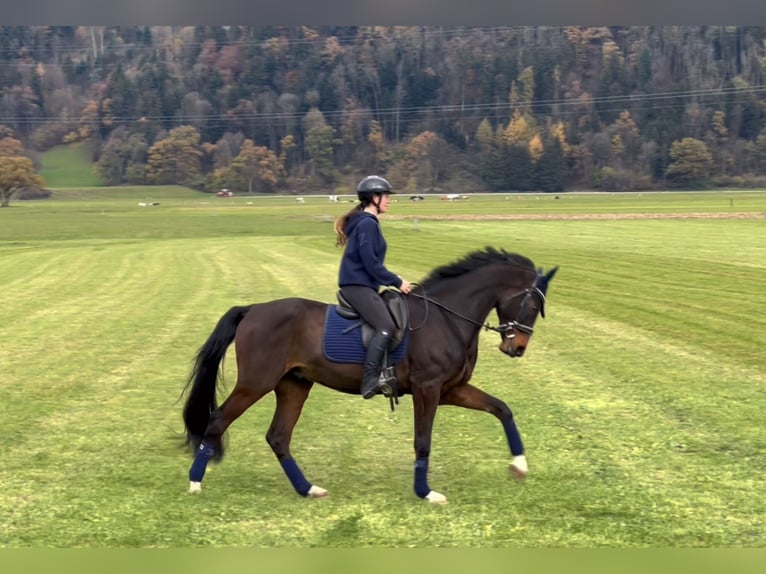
point(640, 399)
point(69, 166)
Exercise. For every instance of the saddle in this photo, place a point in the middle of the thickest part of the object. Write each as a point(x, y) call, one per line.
point(398, 348)
point(396, 306)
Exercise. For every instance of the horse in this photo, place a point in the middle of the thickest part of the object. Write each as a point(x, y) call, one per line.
point(279, 349)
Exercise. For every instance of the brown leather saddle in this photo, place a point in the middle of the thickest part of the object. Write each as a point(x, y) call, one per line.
point(396, 306)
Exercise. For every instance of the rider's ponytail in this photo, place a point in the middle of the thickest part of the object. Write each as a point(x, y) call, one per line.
point(340, 225)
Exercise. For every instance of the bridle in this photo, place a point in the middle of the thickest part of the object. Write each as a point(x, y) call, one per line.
point(516, 324)
point(505, 329)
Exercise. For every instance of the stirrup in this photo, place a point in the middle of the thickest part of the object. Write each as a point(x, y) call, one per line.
point(369, 391)
point(384, 385)
point(387, 383)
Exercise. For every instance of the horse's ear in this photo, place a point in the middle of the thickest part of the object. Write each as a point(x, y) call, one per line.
point(551, 273)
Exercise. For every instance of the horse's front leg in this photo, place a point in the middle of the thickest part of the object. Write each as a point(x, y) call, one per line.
point(424, 402)
point(472, 398)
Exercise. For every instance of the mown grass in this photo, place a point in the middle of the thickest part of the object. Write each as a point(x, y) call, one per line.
point(640, 399)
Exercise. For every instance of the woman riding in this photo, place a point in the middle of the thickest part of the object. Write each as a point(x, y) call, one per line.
point(363, 272)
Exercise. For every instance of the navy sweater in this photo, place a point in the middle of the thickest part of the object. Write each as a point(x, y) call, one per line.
point(364, 257)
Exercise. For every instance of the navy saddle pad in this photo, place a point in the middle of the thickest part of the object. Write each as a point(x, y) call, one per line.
point(343, 340)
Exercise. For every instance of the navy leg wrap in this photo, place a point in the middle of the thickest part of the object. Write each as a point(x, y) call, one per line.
point(198, 467)
point(421, 477)
point(514, 439)
point(299, 482)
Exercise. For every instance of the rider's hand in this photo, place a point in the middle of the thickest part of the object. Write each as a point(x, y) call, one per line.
point(405, 287)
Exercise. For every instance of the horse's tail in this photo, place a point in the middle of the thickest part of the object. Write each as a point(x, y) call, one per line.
point(201, 400)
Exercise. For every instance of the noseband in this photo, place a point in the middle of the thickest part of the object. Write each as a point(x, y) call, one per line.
point(504, 329)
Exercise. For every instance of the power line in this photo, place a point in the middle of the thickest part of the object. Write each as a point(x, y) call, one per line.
point(440, 110)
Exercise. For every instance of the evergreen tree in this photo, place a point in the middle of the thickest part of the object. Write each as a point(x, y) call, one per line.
point(551, 169)
point(492, 165)
point(519, 169)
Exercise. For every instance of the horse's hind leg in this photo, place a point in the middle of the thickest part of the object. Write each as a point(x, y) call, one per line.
point(470, 397)
point(291, 393)
point(240, 399)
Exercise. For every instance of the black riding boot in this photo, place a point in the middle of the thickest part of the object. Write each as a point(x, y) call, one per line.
point(375, 351)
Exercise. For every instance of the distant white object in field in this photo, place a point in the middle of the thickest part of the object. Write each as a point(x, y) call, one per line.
point(333, 198)
point(300, 200)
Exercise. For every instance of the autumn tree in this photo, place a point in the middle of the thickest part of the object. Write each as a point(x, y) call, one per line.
point(536, 147)
point(527, 86)
point(176, 158)
point(484, 134)
point(520, 129)
point(255, 168)
point(691, 161)
point(16, 170)
point(428, 157)
point(625, 139)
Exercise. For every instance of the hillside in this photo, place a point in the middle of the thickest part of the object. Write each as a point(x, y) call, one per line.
point(69, 166)
point(523, 108)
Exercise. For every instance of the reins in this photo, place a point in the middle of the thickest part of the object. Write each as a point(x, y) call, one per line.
point(502, 329)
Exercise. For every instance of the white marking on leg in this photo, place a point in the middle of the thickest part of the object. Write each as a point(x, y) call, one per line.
point(317, 492)
point(195, 487)
point(436, 497)
point(519, 467)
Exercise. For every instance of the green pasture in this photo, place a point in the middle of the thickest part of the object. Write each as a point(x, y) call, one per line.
point(640, 399)
point(69, 166)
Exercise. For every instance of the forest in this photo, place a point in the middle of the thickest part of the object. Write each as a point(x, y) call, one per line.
point(274, 109)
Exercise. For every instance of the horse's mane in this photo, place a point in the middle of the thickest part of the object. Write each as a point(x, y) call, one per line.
point(472, 261)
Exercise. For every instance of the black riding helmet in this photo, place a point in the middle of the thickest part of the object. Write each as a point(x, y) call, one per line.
point(371, 185)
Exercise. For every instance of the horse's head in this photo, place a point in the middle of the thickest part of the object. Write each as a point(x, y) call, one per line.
point(518, 312)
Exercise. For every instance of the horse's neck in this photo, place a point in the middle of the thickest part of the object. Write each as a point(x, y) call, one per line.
point(476, 293)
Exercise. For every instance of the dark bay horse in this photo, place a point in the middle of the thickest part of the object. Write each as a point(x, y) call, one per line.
point(279, 349)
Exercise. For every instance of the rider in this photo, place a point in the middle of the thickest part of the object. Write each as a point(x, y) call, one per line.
point(363, 272)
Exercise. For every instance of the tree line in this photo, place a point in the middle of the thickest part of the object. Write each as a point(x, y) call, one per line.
point(461, 108)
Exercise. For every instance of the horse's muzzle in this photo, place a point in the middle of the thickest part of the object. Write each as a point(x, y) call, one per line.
point(509, 349)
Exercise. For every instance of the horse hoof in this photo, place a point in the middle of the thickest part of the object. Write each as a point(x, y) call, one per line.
point(195, 487)
point(517, 473)
point(518, 468)
point(436, 498)
point(317, 492)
